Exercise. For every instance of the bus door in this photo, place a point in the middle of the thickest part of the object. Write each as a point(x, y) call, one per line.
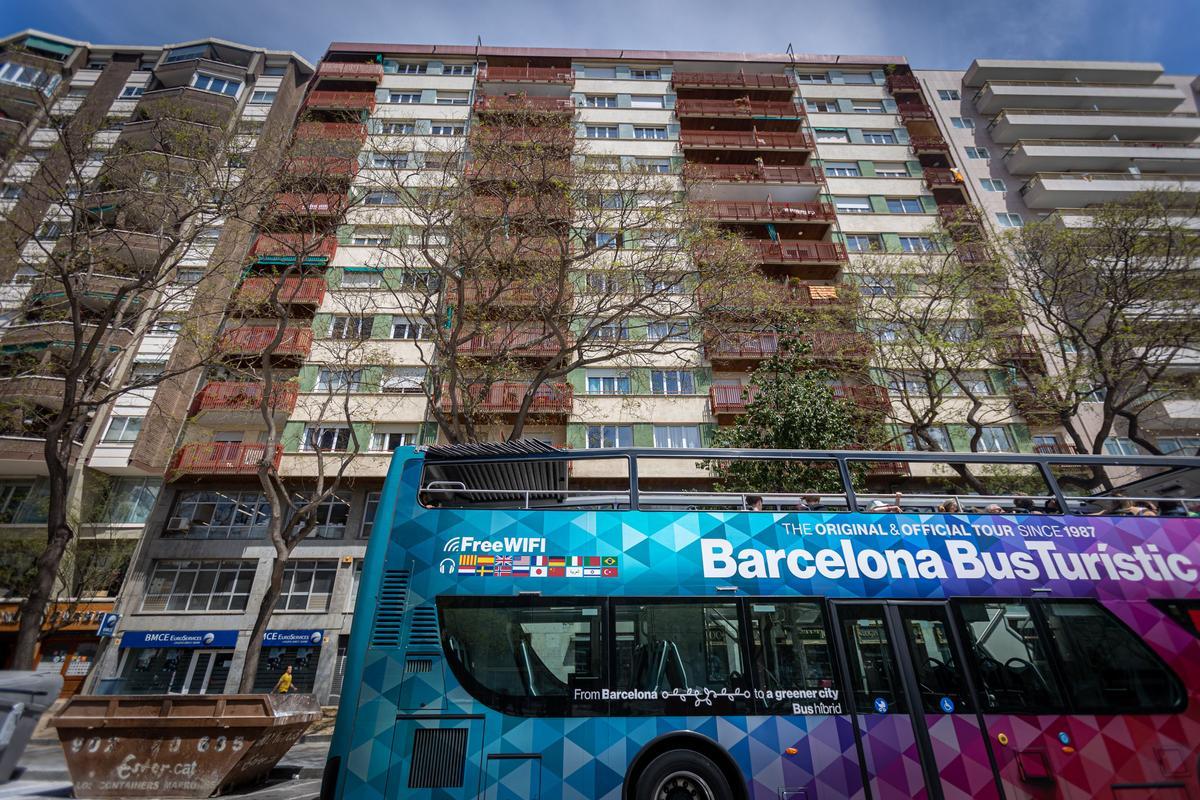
point(920, 733)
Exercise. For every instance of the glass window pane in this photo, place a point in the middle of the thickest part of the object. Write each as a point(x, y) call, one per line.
point(939, 676)
point(874, 679)
point(1009, 657)
point(792, 658)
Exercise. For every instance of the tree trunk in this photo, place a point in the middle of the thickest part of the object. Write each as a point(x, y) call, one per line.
point(58, 536)
point(265, 609)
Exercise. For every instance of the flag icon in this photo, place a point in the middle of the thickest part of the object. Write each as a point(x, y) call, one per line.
point(608, 561)
point(558, 561)
point(591, 572)
point(521, 561)
point(539, 572)
point(558, 572)
point(504, 570)
point(506, 561)
point(592, 561)
point(576, 561)
point(574, 572)
point(483, 569)
point(466, 565)
point(541, 561)
point(609, 572)
point(486, 560)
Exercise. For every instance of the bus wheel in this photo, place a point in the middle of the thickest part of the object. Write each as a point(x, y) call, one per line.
point(682, 775)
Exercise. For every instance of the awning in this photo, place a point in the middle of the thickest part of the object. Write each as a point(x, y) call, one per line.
point(38, 43)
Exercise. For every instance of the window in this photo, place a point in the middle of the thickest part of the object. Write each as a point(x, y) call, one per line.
point(188, 53)
point(674, 331)
point(78, 91)
point(262, 97)
point(606, 239)
point(677, 436)
point(350, 327)
point(904, 384)
point(404, 98)
point(11, 191)
point(948, 94)
point(339, 380)
point(371, 237)
point(858, 78)
point(877, 287)
point(522, 656)
point(867, 107)
point(370, 509)
point(994, 439)
point(13, 497)
point(146, 371)
point(123, 429)
point(274, 70)
point(841, 169)
point(992, 185)
point(396, 128)
point(447, 130)
point(607, 382)
point(832, 136)
point(1005, 220)
point(361, 278)
point(326, 437)
point(389, 161)
point(645, 74)
point(672, 381)
point(1120, 446)
point(864, 243)
point(166, 326)
point(821, 106)
point(811, 77)
point(647, 101)
point(403, 380)
point(452, 98)
point(935, 433)
point(458, 69)
point(417, 281)
point(613, 332)
point(219, 515)
point(852, 205)
point(51, 231)
point(331, 518)
point(187, 277)
point(607, 436)
point(199, 586)
point(791, 652)
point(659, 165)
point(978, 152)
point(217, 85)
point(917, 244)
point(905, 205)
point(601, 101)
point(1183, 445)
point(649, 132)
point(209, 233)
point(388, 441)
point(603, 131)
point(965, 123)
point(879, 137)
point(130, 92)
point(412, 329)
point(397, 68)
point(30, 77)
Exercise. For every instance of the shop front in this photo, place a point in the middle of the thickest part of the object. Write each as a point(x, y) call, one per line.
point(174, 662)
point(68, 644)
point(298, 649)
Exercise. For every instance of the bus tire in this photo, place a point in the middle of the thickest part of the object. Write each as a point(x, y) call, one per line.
point(682, 775)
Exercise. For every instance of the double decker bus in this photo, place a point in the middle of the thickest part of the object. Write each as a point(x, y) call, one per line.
point(532, 625)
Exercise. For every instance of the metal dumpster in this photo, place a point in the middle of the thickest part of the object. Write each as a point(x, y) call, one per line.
point(24, 696)
point(178, 745)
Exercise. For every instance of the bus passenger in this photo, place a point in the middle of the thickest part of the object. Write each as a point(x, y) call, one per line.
point(1051, 506)
point(949, 506)
point(754, 502)
point(1024, 505)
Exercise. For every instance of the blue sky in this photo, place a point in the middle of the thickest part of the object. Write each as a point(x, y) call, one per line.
point(930, 33)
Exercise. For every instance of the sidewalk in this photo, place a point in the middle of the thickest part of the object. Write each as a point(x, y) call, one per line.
point(297, 776)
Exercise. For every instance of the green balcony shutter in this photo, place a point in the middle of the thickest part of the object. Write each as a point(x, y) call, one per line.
point(643, 435)
point(856, 135)
point(333, 277)
point(639, 381)
point(381, 326)
point(1021, 437)
point(429, 96)
point(621, 72)
point(577, 378)
point(625, 130)
point(703, 378)
point(878, 204)
point(845, 105)
point(889, 105)
point(707, 429)
point(866, 169)
point(362, 432)
point(308, 377)
point(428, 433)
point(835, 76)
point(929, 204)
point(901, 135)
point(915, 169)
point(891, 242)
point(345, 234)
point(960, 437)
point(576, 435)
point(423, 127)
point(624, 101)
point(293, 433)
point(372, 378)
point(433, 68)
point(320, 325)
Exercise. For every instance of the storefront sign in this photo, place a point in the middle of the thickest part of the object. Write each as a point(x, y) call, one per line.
point(179, 639)
point(307, 638)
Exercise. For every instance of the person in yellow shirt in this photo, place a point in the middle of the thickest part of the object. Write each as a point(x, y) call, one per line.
point(284, 684)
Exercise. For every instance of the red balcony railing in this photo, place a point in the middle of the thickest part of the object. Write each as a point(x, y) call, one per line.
point(507, 397)
point(929, 144)
point(903, 83)
point(1018, 347)
point(796, 251)
point(350, 72)
point(731, 398)
point(517, 344)
point(333, 169)
point(914, 112)
point(752, 173)
point(341, 101)
point(323, 204)
point(834, 346)
point(750, 346)
point(885, 469)
point(1055, 449)
point(942, 177)
point(222, 458)
point(294, 245)
point(733, 211)
point(869, 396)
point(522, 102)
point(745, 140)
point(740, 108)
point(563, 75)
point(245, 396)
point(731, 80)
point(735, 304)
point(559, 137)
point(826, 346)
point(337, 131)
point(255, 339)
point(294, 290)
point(518, 294)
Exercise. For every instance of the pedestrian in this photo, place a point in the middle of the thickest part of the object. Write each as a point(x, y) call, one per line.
point(284, 684)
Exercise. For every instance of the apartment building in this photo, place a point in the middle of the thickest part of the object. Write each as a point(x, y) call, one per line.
point(130, 93)
point(1048, 139)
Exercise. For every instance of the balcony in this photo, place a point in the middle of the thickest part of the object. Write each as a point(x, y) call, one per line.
point(97, 292)
point(522, 103)
point(42, 390)
point(519, 170)
point(514, 344)
point(1012, 125)
point(297, 206)
point(914, 112)
point(285, 248)
point(886, 469)
point(556, 295)
point(294, 290)
point(943, 178)
point(556, 75)
point(331, 131)
point(337, 71)
point(754, 141)
point(1033, 410)
point(996, 70)
point(1055, 450)
point(733, 80)
point(252, 340)
point(507, 397)
point(752, 173)
point(796, 251)
point(340, 101)
point(321, 170)
point(903, 83)
point(490, 247)
point(995, 96)
point(929, 144)
point(736, 305)
point(201, 459)
point(740, 108)
point(749, 211)
point(733, 399)
point(750, 347)
point(1078, 190)
point(188, 104)
point(839, 347)
point(1058, 155)
point(560, 138)
point(61, 334)
point(240, 402)
point(1019, 348)
point(868, 396)
point(546, 208)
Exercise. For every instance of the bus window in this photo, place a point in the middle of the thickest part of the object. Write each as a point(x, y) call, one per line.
point(1010, 658)
point(874, 679)
point(1185, 612)
point(791, 658)
point(1106, 667)
point(939, 676)
point(686, 652)
point(524, 657)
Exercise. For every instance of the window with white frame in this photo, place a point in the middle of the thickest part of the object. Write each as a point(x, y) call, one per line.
point(842, 169)
point(404, 98)
point(876, 287)
point(645, 74)
point(221, 514)
point(978, 152)
point(370, 509)
point(649, 132)
point(408, 328)
point(603, 131)
point(658, 165)
point(821, 106)
point(676, 436)
point(965, 123)
point(307, 585)
point(403, 380)
point(606, 283)
point(905, 205)
point(199, 585)
point(917, 244)
point(29, 77)
point(395, 128)
point(992, 185)
point(458, 69)
point(1008, 220)
point(858, 78)
point(78, 91)
point(123, 429)
point(11, 191)
point(600, 437)
point(852, 205)
point(672, 382)
point(326, 437)
point(131, 92)
point(936, 433)
point(679, 330)
point(452, 98)
point(879, 137)
point(350, 327)
point(864, 242)
point(371, 237)
point(995, 439)
point(607, 239)
point(1183, 445)
point(361, 278)
point(262, 97)
point(129, 500)
point(600, 100)
point(331, 516)
point(647, 101)
point(1120, 446)
point(832, 136)
point(17, 500)
point(416, 280)
point(388, 160)
point(607, 381)
point(216, 84)
point(867, 107)
point(948, 94)
point(393, 67)
point(339, 379)
point(811, 77)
point(386, 441)
point(613, 332)
point(447, 130)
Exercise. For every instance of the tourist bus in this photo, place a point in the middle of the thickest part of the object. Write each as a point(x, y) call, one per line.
point(530, 625)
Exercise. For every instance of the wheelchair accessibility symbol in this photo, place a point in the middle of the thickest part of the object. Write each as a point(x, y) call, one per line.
point(947, 705)
point(881, 705)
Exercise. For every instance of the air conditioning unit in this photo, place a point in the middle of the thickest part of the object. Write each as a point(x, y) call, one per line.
point(179, 524)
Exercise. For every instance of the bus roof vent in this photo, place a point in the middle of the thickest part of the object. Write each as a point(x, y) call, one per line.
point(424, 627)
point(389, 611)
